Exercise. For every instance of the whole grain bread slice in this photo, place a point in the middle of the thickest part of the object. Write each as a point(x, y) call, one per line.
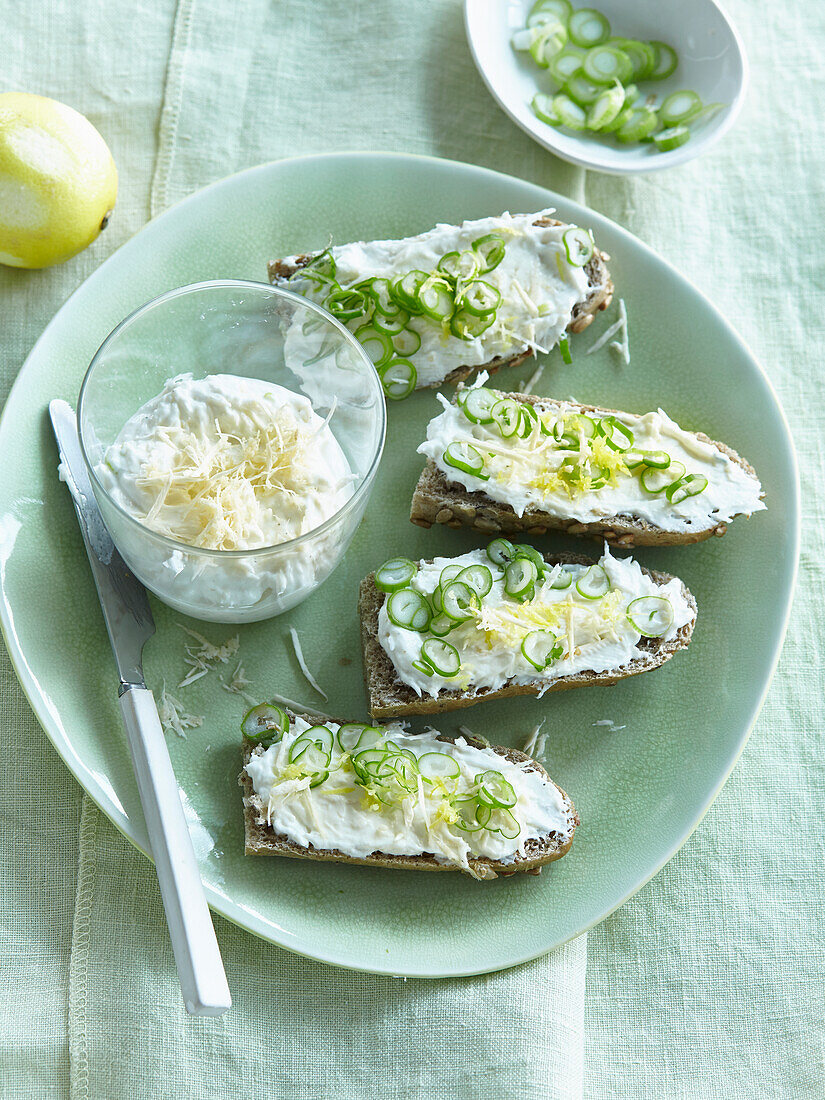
point(598, 297)
point(390, 697)
point(260, 839)
point(438, 500)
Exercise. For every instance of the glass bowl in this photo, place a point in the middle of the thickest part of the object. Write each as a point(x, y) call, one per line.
point(259, 332)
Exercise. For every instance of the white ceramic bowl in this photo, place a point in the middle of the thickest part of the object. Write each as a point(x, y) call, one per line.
point(712, 63)
point(258, 332)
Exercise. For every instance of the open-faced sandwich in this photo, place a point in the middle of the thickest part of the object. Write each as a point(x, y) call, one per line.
point(436, 307)
point(507, 462)
point(506, 621)
point(353, 793)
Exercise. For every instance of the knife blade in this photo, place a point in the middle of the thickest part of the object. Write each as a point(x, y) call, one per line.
point(123, 598)
point(129, 624)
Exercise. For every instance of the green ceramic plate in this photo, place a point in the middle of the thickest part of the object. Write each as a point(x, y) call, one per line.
point(640, 791)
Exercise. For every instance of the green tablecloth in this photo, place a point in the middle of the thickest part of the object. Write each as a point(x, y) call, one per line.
point(709, 983)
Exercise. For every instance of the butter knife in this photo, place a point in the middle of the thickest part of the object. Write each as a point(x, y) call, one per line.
point(129, 623)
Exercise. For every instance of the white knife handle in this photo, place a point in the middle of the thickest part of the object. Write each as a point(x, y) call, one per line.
point(197, 956)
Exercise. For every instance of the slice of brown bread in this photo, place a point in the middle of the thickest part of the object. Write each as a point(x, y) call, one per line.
point(390, 697)
point(261, 839)
point(438, 500)
point(599, 296)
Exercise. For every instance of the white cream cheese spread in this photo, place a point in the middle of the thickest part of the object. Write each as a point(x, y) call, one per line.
point(538, 285)
point(534, 471)
point(422, 814)
point(227, 463)
point(592, 633)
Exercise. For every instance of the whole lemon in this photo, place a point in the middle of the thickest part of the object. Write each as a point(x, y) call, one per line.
point(58, 181)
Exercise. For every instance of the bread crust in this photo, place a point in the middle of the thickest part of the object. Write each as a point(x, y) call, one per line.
point(599, 297)
point(438, 500)
point(390, 697)
point(261, 839)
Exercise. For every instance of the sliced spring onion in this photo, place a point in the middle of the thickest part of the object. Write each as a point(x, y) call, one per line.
point(398, 378)
point(377, 344)
point(634, 459)
point(544, 109)
point(541, 648)
point(408, 609)
point(405, 290)
point(641, 122)
point(450, 573)
point(588, 27)
point(459, 600)
point(465, 457)
point(460, 265)
point(569, 113)
point(438, 765)
point(346, 305)
point(480, 298)
point(619, 121)
point(497, 821)
point(543, 10)
point(467, 326)
point(659, 460)
point(265, 724)
point(385, 303)
point(606, 108)
point(524, 550)
point(679, 107)
point(507, 415)
point(593, 584)
point(435, 298)
point(520, 577)
point(478, 404)
point(391, 325)
point(441, 625)
point(495, 790)
point(353, 737)
point(604, 64)
point(615, 434)
point(579, 423)
point(406, 342)
point(467, 815)
point(478, 577)
point(563, 579)
point(491, 249)
point(566, 64)
point(689, 486)
point(501, 551)
point(395, 573)
point(323, 264)
point(652, 616)
point(655, 479)
point(566, 357)
point(442, 657)
point(665, 61)
point(578, 244)
point(642, 56)
point(673, 138)
point(583, 91)
point(548, 40)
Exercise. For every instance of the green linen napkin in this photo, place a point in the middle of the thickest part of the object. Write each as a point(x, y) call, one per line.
point(708, 983)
